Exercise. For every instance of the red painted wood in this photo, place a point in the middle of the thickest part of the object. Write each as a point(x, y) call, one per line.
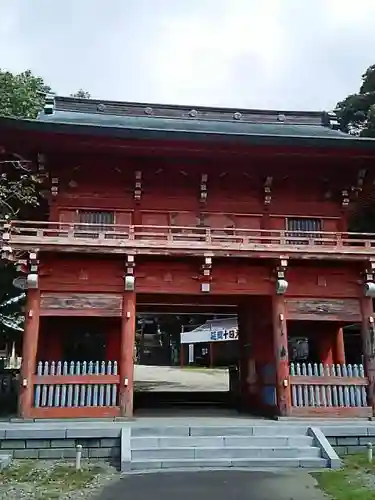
point(113, 344)
point(331, 412)
point(76, 379)
point(326, 343)
point(327, 380)
point(29, 352)
point(280, 339)
point(76, 412)
point(367, 310)
point(339, 348)
point(127, 354)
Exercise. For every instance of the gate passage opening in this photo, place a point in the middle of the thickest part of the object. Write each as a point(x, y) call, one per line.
point(185, 361)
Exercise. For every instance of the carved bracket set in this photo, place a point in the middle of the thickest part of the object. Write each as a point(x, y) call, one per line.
point(345, 199)
point(206, 275)
point(203, 188)
point(32, 277)
point(281, 282)
point(6, 249)
point(129, 275)
point(138, 186)
point(369, 280)
point(267, 191)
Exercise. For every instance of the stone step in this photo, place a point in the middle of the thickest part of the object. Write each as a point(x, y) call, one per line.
point(227, 453)
point(208, 430)
point(138, 443)
point(222, 463)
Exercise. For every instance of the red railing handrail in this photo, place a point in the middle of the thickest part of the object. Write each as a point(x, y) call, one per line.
point(99, 228)
point(26, 233)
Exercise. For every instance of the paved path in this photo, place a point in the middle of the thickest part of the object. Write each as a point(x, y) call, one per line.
point(173, 378)
point(218, 485)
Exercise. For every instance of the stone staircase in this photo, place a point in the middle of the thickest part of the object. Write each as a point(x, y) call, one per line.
point(251, 447)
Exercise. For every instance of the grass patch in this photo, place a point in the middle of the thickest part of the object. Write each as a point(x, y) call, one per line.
point(48, 482)
point(356, 481)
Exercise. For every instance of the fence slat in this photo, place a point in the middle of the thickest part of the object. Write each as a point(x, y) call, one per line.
point(76, 394)
point(328, 394)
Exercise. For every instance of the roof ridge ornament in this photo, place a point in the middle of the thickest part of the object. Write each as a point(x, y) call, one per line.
point(49, 104)
point(332, 120)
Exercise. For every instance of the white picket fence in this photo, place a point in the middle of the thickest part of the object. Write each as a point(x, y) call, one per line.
point(341, 386)
point(76, 394)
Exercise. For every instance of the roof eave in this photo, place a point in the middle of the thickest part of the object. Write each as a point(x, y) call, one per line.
point(171, 134)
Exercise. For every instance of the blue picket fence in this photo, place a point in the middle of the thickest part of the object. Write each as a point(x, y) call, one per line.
point(77, 394)
point(338, 392)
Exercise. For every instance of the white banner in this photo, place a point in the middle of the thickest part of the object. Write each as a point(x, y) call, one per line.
point(219, 330)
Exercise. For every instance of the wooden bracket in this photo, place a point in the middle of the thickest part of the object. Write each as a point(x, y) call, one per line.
point(360, 182)
point(33, 271)
point(138, 186)
point(203, 188)
point(129, 274)
point(267, 190)
point(130, 265)
point(345, 199)
point(6, 249)
point(369, 273)
point(54, 186)
point(206, 275)
point(280, 271)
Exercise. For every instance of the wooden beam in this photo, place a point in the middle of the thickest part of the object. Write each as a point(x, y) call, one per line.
point(76, 412)
point(331, 412)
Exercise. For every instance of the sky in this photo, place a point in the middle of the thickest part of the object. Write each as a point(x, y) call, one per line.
point(271, 54)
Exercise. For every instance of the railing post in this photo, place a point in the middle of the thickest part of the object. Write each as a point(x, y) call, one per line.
point(280, 340)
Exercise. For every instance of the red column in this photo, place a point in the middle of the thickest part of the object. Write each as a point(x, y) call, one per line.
point(29, 352)
point(127, 354)
point(280, 340)
point(211, 354)
point(340, 347)
point(326, 345)
point(368, 342)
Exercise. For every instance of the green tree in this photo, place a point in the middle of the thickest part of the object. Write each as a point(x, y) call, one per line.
point(356, 112)
point(21, 95)
point(83, 94)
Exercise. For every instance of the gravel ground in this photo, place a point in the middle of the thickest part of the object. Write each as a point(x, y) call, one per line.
point(42, 480)
point(174, 378)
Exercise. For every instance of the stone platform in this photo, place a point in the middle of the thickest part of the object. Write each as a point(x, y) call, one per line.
point(184, 442)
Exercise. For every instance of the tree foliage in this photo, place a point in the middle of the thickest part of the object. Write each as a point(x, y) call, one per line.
point(356, 112)
point(82, 94)
point(22, 94)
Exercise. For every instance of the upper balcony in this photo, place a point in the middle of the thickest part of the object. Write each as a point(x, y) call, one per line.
point(179, 241)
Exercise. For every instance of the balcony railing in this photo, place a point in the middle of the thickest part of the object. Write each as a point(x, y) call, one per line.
point(174, 239)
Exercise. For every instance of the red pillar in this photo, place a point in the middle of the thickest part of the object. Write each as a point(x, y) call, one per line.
point(211, 354)
point(326, 345)
point(340, 348)
point(127, 354)
point(368, 342)
point(280, 341)
point(29, 352)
